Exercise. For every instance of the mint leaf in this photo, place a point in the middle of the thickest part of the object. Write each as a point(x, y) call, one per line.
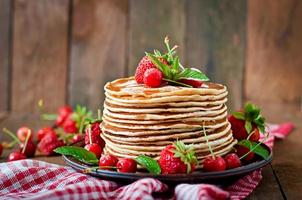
point(248, 126)
point(238, 115)
point(192, 73)
point(79, 153)
point(149, 163)
point(255, 147)
point(161, 66)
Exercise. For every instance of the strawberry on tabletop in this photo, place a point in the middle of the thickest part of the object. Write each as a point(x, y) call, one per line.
point(44, 131)
point(49, 143)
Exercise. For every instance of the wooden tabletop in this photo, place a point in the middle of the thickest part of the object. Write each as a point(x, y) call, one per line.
point(281, 180)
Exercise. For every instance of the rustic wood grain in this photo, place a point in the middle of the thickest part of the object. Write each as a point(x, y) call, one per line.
point(287, 161)
point(274, 61)
point(268, 187)
point(215, 42)
point(98, 53)
point(149, 23)
point(5, 24)
point(39, 54)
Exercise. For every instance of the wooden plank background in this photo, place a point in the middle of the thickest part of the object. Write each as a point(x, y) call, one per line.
point(64, 51)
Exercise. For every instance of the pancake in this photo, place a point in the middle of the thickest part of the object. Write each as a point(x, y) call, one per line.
point(139, 120)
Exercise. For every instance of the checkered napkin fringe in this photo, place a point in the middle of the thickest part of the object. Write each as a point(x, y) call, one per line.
point(31, 179)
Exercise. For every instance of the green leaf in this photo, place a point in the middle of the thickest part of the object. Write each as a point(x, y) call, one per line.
point(79, 153)
point(192, 73)
point(175, 64)
point(161, 66)
point(238, 115)
point(248, 126)
point(149, 163)
point(255, 147)
point(50, 117)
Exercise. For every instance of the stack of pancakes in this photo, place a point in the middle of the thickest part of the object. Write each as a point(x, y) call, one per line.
point(139, 120)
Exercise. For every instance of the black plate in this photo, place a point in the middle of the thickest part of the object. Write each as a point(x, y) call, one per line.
point(222, 178)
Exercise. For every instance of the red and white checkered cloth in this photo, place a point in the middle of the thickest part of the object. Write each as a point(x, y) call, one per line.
point(32, 179)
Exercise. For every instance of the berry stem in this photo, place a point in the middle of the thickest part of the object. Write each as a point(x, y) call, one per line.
point(176, 82)
point(89, 134)
point(5, 130)
point(90, 169)
point(250, 134)
point(26, 140)
point(207, 140)
point(82, 124)
point(252, 149)
point(99, 114)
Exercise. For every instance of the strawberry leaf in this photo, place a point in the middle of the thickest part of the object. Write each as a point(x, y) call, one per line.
point(255, 147)
point(79, 153)
point(149, 163)
point(238, 115)
point(161, 66)
point(248, 126)
point(192, 73)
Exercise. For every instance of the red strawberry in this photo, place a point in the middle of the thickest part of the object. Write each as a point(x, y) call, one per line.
point(30, 149)
point(238, 128)
point(211, 164)
point(126, 165)
point(16, 156)
point(232, 161)
point(22, 133)
point(193, 82)
point(44, 131)
point(70, 126)
point(95, 135)
point(64, 113)
point(48, 144)
point(241, 150)
point(177, 158)
point(143, 65)
point(153, 77)
point(108, 161)
point(60, 120)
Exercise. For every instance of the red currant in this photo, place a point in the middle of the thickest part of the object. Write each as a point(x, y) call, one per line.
point(126, 165)
point(22, 133)
point(232, 161)
point(16, 156)
point(108, 161)
point(94, 148)
point(30, 149)
point(211, 164)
